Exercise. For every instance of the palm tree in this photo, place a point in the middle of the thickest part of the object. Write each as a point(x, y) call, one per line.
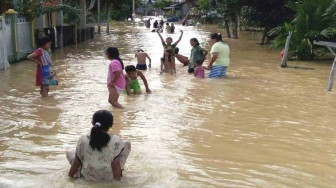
point(314, 20)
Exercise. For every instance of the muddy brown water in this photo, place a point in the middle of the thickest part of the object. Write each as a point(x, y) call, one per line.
point(263, 126)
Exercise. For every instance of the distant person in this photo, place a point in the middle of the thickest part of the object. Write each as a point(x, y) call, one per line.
point(172, 28)
point(132, 82)
point(156, 24)
point(115, 79)
point(148, 23)
point(168, 28)
point(161, 24)
point(197, 53)
point(199, 71)
point(220, 56)
point(99, 156)
point(169, 50)
point(141, 58)
point(43, 60)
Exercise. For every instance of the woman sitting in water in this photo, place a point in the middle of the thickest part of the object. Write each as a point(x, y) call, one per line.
point(99, 156)
point(220, 56)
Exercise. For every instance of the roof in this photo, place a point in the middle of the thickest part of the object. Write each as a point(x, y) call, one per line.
point(176, 5)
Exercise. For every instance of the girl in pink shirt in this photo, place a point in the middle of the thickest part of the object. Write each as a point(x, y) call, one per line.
point(115, 79)
point(199, 70)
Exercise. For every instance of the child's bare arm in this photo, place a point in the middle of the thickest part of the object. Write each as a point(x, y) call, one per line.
point(195, 72)
point(160, 37)
point(205, 52)
point(142, 76)
point(150, 60)
point(116, 168)
point(32, 57)
point(161, 66)
point(74, 167)
point(179, 40)
point(128, 90)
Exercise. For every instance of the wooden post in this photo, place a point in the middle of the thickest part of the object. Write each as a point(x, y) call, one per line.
point(76, 37)
point(285, 57)
point(332, 75)
point(60, 23)
point(109, 9)
point(83, 13)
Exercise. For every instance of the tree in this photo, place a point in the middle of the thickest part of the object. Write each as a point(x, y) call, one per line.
point(162, 3)
point(267, 14)
point(231, 10)
point(31, 9)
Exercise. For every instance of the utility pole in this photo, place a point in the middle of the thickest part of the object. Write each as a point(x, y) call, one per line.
point(98, 7)
point(133, 14)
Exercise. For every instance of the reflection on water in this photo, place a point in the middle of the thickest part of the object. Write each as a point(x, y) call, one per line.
point(261, 127)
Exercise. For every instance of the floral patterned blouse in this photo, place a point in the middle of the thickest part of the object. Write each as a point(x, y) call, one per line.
point(97, 165)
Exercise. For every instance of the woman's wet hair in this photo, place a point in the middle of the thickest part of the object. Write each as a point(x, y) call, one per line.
point(130, 68)
point(217, 36)
point(199, 62)
point(102, 121)
point(113, 53)
point(196, 41)
point(43, 41)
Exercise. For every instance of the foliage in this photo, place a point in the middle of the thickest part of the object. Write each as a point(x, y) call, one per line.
point(204, 5)
point(32, 9)
point(162, 3)
point(267, 14)
point(314, 20)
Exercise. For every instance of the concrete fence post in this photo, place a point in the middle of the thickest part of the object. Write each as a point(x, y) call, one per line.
point(12, 15)
point(3, 43)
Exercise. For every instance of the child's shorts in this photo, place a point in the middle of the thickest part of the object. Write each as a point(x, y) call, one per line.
point(141, 66)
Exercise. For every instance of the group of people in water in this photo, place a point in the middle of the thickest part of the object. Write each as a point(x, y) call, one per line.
point(159, 26)
point(99, 155)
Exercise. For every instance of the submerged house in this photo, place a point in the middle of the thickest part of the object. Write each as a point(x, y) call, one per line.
point(180, 8)
point(146, 7)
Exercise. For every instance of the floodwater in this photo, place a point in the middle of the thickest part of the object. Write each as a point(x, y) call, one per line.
point(262, 126)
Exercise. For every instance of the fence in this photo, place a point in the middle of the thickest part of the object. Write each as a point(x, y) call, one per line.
point(3, 49)
point(24, 38)
point(69, 36)
point(16, 38)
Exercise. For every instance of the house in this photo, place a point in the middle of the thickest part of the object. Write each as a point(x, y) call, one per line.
point(179, 9)
point(146, 7)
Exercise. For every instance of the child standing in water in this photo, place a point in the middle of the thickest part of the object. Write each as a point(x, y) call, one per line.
point(115, 79)
point(42, 58)
point(199, 71)
point(141, 58)
point(169, 50)
point(132, 82)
